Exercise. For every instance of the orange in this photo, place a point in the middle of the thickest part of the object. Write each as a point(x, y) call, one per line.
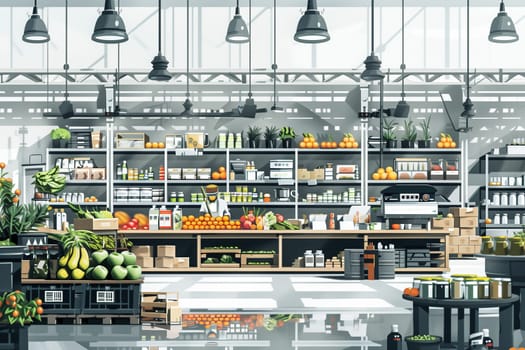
point(184, 218)
point(155, 145)
point(488, 221)
point(222, 169)
point(18, 192)
point(40, 310)
point(380, 170)
point(333, 144)
point(355, 144)
point(15, 313)
point(315, 145)
point(342, 144)
point(302, 144)
point(215, 175)
point(38, 301)
point(323, 144)
point(207, 215)
point(148, 145)
point(15, 200)
point(384, 176)
point(2, 165)
point(453, 144)
point(191, 217)
point(309, 144)
point(443, 139)
point(161, 145)
point(392, 176)
point(223, 176)
point(225, 218)
point(375, 176)
point(389, 169)
point(439, 144)
point(346, 139)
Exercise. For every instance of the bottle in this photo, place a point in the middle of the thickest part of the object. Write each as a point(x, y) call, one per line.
point(124, 170)
point(177, 218)
point(487, 340)
point(65, 224)
point(394, 340)
point(57, 220)
point(331, 221)
point(153, 221)
point(141, 174)
point(151, 174)
point(255, 196)
point(119, 171)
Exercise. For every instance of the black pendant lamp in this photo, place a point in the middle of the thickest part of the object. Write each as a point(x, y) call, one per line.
point(66, 107)
point(402, 109)
point(35, 31)
point(372, 63)
point(311, 28)
point(237, 29)
point(249, 108)
point(502, 29)
point(110, 28)
point(468, 106)
point(187, 103)
point(275, 108)
point(160, 63)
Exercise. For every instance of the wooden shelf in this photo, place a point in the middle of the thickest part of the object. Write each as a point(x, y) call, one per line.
point(220, 251)
point(221, 265)
point(42, 281)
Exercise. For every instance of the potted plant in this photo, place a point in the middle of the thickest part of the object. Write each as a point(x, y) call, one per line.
point(254, 136)
point(410, 136)
point(423, 342)
point(270, 136)
point(287, 134)
point(425, 127)
point(389, 128)
point(60, 136)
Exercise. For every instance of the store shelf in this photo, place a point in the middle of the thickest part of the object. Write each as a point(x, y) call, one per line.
point(504, 207)
point(194, 182)
point(417, 150)
point(289, 182)
point(139, 150)
point(148, 204)
point(421, 269)
point(329, 182)
point(506, 156)
point(424, 182)
point(138, 182)
point(86, 182)
point(327, 204)
point(268, 151)
point(83, 204)
point(262, 204)
point(329, 150)
point(506, 187)
point(498, 226)
point(76, 150)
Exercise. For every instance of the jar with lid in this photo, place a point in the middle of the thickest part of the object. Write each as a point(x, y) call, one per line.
point(487, 245)
point(504, 199)
point(505, 219)
point(426, 289)
point(501, 245)
point(497, 219)
point(513, 199)
point(496, 198)
point(521, 199)
point(517, 219)
point(441, 290)
point(457, 288)
point(173, 196)
point(483, 288)
point(180, 196)
point(516, 245)
point(471, 289)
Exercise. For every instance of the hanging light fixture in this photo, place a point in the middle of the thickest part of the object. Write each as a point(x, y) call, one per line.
point(372, 62)
point(274, 65)
point(402, 109)
point(249, 108)
point(187, 103)
point(66, 107)
point(35, 30)
point(502, 29)
point(468, 106)
point(110, 28)
point(160, 63)
point(311, 28)
point(237, 29)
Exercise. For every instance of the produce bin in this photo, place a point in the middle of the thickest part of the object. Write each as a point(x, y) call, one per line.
point(57, 298)
point(118, 299)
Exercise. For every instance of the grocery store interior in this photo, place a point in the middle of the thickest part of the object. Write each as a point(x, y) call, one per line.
point(232, 174)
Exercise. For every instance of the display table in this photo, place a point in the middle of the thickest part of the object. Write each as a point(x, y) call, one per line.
point(420, 317)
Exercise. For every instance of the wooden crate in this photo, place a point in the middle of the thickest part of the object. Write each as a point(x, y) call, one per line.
point(161, 307)
point(221, 265)
point(246, 258)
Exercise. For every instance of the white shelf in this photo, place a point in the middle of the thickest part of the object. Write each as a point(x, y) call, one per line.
point(419, 182)
point(138, 182)
point(86, 182)
point(506, 187)
point(75, 150)
point(417, 150)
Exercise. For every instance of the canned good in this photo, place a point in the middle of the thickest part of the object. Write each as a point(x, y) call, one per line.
point(483, 289)
point(496, 198)
point(471, 289)
point(506, 287)
point(426, 289)
point(495, 288)
point(457, 288)
point(180, 196)
point(121, 194)
point(501, 245)
point(146, 194)
point(513, 199)
point(504, 198)
point(133, 194)
point(441, 290)
point(173, 196)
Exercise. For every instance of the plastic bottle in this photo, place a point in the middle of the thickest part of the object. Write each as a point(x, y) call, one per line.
point(119, 171)
point(394, 340)
point(487, 340)
point(153, 221)
point(124, 170)
point(65, 224)
point(57, 220)
point(177, 218)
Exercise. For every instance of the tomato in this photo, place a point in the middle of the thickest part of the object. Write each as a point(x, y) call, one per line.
point(134, 220)
point(145, 227)
point(406, 291)
point(125, 227)
point(132, 224)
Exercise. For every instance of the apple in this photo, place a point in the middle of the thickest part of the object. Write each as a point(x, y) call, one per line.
point(119, 272)
point(451, 168)
point(436, 167)
point(132, 224)
point(450, 215)
point(125, 227)
point(134, 272)
point(99, 273)
point(99, 256)
point(115, 259)
point(129, 258)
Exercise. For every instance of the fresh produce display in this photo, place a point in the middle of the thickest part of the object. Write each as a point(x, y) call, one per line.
point(446, 141)
point(423, 337)
point(270, 323)
point(219, 174)
point(331, 143)
point(387, 173)
point(252, 219)
point(208, 222)
point(348, 141)
point(89, 214)
point(50, 181)
point(277, 222)
point(117, 266)
point(211, 261)
point(224, 321)
point(220, 247)
point(139, 221)
point(226, 259)
point(154, 144)
point(15, 308)
point(308, 141)
point(413, 292)
point(206, 320)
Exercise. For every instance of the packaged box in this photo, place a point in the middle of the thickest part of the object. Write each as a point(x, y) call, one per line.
point(464, 212)
point(317, 174)
point(164, 261)
point(189, 173)
point(303, 174)
point(82, 174)
point(24, 269)
point(141, 250)
point(443, 223)
point(453, 231)
point(182, 262)
point(131, 140)
point(474, 240)
point(98, 174)
point(453, 249)
point(467, 249)
point(453, 240)
point(174, 173)
point(204, 173)
point(96, 224)
point(463, 240)
point(466, 222)
point(145, 261)
point(467, 231)
point(166, 250)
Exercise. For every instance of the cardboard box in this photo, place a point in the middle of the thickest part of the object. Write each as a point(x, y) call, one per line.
point(453, 249)
point(166, 251)
point(96, 224)
point(467, 249)
point(466, 222)
point(183, 262)
point(453, 231)
point(453, 240)
point(467, 231)
point(141, 250)
point(464, 212)
point(174, 315)
point(463, 240)
point(317, 174)
point(131, 140)
point(145, 261)
point(98, 174)
point(443, 223)
point(303, 174)
point(25, 269)
point(474, 240)
point(165, 261)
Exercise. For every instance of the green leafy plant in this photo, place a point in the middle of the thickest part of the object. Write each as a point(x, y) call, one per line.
point(425, 126)
point(60, 134)
point(16, 218)
point(410, 131)
point(271, 133)
point(15, 308)
point(287, 133)
point(254, 133)
point(389, 128)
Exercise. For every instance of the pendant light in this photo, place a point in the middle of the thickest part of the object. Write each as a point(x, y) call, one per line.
point(109, 28)
point(35, 30)
point(249, 108)
point(468, 106)
point(402, 109)
point(274, 65)
point(311, 28)
point(372, 63)
point(187, 103)
point(160, 63)
point(66, 107)
point(237, 29)
point(502, 29)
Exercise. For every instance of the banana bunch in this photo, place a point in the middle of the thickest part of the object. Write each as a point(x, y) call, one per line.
point(50, 181)
point(90, 214)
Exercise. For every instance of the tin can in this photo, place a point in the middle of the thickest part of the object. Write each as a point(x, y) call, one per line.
point(133, 194)
point(483, 289)
point(180, 196)
point(426, 289)
point(121, 194)
point(471, 289)
point(441, 290)
point(506, 287)
point(457, 288)
point(495, 288)
point(146, 194)
point(173, 196)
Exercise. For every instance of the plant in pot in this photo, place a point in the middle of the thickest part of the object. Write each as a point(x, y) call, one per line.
point(389, 135)
point(254, 136)
point(287, 135)
point(409, 138)
point(425, 127)
point(423, 342)
point(16, 218)
point(270, 136)
point(60, 137)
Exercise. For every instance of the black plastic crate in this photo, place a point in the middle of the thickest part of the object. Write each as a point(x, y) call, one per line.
point(112, 299)
point(57, 298)
point(14, 337)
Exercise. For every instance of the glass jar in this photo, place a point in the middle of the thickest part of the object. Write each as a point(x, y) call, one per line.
point(180, 196)
point(516, 245)
point(487, 245)
point(504, 199)
point(506, 287)
point(496, 198)
point(501, 245)
point(523, 219)
point(441, 290)
point(497, 219)
point(426, 289)
point(521, 199)
point(483, 288)
point(505, 219)
point(517, 219)
point(495, 288)
point(471, 289)
point(173, 196)
point(513, 199)
point(457, 288)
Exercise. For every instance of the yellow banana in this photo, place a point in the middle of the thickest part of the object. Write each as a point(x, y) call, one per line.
point(62, 262)
point(73, 260)
point(83, 263)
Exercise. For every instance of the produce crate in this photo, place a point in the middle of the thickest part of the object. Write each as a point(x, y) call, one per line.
point(247, 258)
point(112, 299)
point(58, 298)
point(161, 307)
point(96, 224)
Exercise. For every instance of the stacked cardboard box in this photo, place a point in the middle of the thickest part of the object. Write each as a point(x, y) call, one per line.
point(161, 307)
point(143, 253)
point(165, 256)
point(466, 222)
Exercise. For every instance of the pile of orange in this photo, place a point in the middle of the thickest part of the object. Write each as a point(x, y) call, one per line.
point(220, 174)
point(328, 144)
point(446, 141)
point(308, 141)
point(384, 174)
point(207, 320)
point(348, 141)
point(155, 145)
point(413, 292)
point(208, 222)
